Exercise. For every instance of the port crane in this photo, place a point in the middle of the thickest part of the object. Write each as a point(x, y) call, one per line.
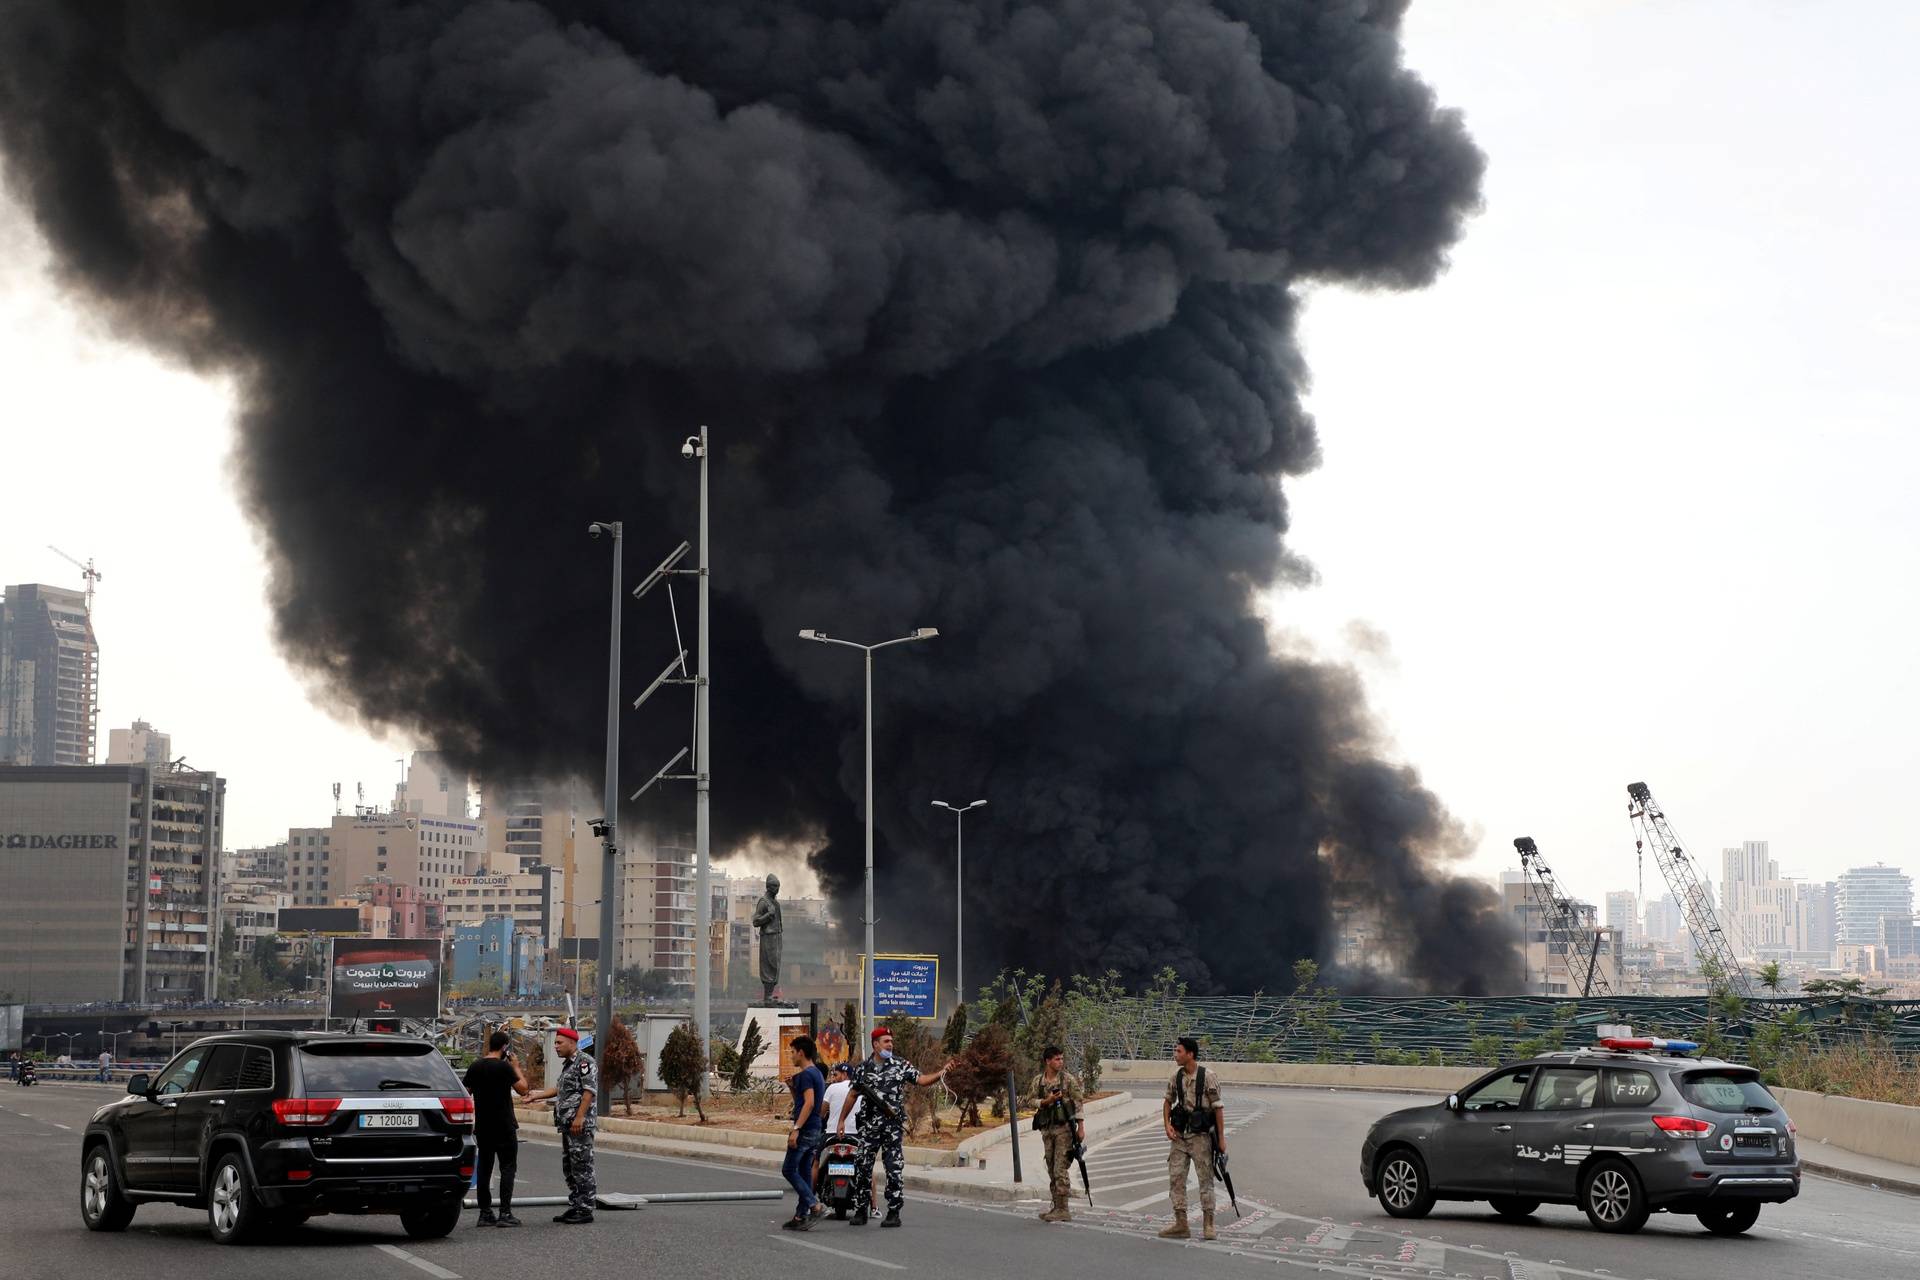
point(1579, 942)
point(1652, 830)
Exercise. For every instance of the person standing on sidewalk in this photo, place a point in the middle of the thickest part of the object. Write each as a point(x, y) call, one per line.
point(573, 1116)
point(493, 1080)
point(809, 1089)
point(1057, 1097)
point(1195, 1122)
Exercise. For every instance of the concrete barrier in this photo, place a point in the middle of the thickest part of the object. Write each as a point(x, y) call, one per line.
point(1883, 1130)
point(1437, 1081)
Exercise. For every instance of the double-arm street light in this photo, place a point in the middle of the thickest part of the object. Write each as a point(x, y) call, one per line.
point(959, 812)
point(923, 633)
point(606, 828)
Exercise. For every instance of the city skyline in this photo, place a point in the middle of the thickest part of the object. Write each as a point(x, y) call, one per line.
point(1635, 592)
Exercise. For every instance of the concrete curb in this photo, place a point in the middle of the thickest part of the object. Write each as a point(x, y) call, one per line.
point(1858, 1179)
point(750, 1158)
point(962, 1156)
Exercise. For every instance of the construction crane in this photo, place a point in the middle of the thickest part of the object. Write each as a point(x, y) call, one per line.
point(1709, 939)
point(1579, 942)
point(87, 571)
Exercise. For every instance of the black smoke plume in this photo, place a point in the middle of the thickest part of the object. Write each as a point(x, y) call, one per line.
point(991, 308)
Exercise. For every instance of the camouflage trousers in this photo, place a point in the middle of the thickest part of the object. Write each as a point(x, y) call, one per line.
point(576, 1162)
point(1195, 1149)
point(889, 1142)
point(1059, 1144)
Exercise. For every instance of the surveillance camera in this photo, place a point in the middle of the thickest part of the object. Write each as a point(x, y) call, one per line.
point(593, 530)
point(691, 447)
point(599, 826)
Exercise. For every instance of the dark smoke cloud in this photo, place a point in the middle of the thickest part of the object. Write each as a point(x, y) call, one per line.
point(991, 308)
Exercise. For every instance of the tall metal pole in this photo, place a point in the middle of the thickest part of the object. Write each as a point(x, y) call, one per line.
point(702, 799)
point(959, 906)
point(610, 839)
point(866, 978)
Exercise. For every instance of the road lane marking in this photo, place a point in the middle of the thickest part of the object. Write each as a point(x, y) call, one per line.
point(839, 1253)
point(439, 1272)
point(1143, 1202)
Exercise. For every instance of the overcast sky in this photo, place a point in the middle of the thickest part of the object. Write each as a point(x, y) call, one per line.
point(1626, 496)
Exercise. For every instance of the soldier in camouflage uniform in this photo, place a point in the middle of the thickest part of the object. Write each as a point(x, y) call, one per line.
point(1057, 1098)
point(1196, 1125)
point(884, 1077)
point(573, 1099)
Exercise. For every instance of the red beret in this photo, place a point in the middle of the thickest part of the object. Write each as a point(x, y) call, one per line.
point(880, 1031)
point(568, 1032)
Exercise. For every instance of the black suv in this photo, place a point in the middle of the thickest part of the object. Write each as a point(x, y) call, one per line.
point(266, 1129)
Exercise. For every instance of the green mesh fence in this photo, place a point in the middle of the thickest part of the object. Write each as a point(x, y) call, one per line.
point(1444, 1031)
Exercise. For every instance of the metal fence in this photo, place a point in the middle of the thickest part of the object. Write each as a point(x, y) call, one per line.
point(1451, 1031)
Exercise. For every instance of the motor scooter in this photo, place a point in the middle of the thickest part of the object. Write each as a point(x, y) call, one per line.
point(28, 1073)
point(834, 1181)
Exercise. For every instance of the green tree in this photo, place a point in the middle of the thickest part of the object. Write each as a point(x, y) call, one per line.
point(1770, 976)
point(954, 1041)
point(752, 1045)
point(683, 1067)
point(624, 1064)
point(980, 1072)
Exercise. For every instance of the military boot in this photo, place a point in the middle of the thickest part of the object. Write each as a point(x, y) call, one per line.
point(1178, 1229)
point(1206, 1226)
point(1062, 1211)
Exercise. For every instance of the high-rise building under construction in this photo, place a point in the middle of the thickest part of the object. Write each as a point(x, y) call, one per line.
point(49, 677)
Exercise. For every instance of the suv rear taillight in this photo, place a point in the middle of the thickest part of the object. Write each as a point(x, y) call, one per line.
point(459, 1110)
point(1682, 1126)
point(305, 1111)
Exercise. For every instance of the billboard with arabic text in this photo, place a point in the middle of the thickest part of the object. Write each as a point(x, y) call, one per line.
point(383, 979)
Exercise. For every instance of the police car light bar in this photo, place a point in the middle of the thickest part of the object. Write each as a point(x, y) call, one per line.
point(1627, 1044)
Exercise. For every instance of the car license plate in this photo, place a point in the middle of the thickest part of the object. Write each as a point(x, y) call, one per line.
point(839, 1169)
point(391, 1120)
point(1763, 1141)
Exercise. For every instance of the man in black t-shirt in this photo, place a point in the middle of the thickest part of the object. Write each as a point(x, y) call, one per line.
point(493, 1080)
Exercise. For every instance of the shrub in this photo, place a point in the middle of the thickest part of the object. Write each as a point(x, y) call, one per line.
point(683, 1067)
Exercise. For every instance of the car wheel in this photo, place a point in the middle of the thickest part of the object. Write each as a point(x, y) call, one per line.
point(1730, 1219)
point(431, 1223)
point(232, 1213)
point(1513, 1207)
point(102, 1207)
point(1612, 1198)
point(1404, 1192)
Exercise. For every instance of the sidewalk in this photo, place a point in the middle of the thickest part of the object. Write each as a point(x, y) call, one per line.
point(1868, 1171)
point(989, 1178)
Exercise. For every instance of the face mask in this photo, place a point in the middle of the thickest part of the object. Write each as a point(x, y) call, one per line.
point(886, 1055)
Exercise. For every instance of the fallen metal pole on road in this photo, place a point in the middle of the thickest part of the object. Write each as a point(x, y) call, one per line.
point(622, 1200)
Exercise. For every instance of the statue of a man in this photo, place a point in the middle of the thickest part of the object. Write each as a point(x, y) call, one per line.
point(766, 918)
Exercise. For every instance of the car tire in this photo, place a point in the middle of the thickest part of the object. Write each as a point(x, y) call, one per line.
point(431, 1223)
point(1513, 1207)
point(1730, 1219)
point(233, 1211)
point(1612, 1197)
point(1404, 1190)
point(102, 1207)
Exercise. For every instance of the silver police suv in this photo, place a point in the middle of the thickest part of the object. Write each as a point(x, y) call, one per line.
point(1627, 1128)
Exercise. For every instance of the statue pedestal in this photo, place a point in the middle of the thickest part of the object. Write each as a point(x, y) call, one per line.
point(779, 1024)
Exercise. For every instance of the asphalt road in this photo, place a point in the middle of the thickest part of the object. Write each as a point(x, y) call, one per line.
point(1293, 1151)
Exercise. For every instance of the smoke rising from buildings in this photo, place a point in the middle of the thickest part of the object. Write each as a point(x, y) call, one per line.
point(991, 309)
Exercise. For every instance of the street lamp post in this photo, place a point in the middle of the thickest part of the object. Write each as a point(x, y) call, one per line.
point(922, 633)
point(607, 828)
point(959, 812)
